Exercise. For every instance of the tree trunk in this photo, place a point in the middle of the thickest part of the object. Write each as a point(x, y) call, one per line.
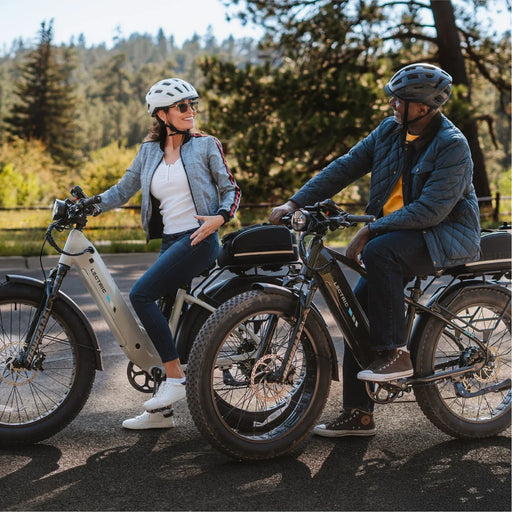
point(452, 61)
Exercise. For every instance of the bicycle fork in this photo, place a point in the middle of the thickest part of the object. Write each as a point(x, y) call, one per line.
point(40, 321)
point(304, 302)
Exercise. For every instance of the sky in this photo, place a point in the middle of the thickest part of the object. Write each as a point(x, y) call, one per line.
point(99, 20)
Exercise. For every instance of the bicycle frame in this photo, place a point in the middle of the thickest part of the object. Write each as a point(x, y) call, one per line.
point(131, 336)
point(323, 273)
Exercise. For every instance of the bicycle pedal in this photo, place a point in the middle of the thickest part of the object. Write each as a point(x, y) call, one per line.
point(166, 411)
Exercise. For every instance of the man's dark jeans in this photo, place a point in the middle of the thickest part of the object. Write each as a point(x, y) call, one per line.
point(391, 261)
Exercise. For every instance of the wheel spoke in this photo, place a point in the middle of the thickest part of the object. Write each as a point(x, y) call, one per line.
point(29, 394)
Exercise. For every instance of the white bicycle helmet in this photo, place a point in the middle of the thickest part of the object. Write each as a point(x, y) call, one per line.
point(421, 83)
point(167, 92)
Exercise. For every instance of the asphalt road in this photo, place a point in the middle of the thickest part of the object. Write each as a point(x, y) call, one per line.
point(96, 465)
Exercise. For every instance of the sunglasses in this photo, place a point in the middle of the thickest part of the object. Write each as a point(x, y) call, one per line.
point(183, 107)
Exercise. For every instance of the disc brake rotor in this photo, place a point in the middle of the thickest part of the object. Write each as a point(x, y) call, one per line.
point(263, 387)
point(9, 373)
point(489, 372)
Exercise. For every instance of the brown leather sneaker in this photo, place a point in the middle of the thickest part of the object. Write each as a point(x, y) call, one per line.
point(354, 422)
point(391, 365)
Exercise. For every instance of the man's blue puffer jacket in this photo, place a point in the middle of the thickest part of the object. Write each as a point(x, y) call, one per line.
point(442, 201)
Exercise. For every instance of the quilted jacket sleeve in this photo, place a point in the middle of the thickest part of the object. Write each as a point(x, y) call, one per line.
point(448, 169)
point(340, 173)
point(229, 191)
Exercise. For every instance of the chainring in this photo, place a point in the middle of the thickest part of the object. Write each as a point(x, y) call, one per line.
point(139, 379)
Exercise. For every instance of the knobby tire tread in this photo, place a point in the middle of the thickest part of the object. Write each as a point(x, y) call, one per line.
point(202, 344)
point(427, 396)
point(75, 401)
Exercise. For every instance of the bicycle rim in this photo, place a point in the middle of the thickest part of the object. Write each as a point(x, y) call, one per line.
point(29, 395)
point(466, 399)
point(248, 397)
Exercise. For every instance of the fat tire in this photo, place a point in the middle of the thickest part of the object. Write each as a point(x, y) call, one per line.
point(84, 368)
point(429, 396)
point(200, 399)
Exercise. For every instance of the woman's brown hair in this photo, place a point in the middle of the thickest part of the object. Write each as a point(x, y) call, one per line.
point(158, 132)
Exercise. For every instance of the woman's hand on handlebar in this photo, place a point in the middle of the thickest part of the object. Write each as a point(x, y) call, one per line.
point(277, 213)
point(356, 246)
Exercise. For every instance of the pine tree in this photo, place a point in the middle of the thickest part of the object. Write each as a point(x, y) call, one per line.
point(44, 107)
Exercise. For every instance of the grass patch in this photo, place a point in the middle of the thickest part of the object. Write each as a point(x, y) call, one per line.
point(22, 231)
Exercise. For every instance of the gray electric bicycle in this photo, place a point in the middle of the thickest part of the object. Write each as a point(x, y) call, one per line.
point(49, 352)
point(260, 370)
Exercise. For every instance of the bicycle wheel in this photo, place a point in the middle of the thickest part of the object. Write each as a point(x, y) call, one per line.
point(39, 400)
point(468, 408)
point(234, 393)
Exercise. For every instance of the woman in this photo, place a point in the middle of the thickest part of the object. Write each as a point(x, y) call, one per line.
point(188, 192)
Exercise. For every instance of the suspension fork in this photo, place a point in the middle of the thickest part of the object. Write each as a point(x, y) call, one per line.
point(306, 292)
point(38, 326)
point(303, 308)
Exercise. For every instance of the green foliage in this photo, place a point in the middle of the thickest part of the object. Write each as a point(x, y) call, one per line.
point(105, 168)
point(44, 105)
point(282, 123)
point(283, 109)
point(28, 175)
point(372, 37)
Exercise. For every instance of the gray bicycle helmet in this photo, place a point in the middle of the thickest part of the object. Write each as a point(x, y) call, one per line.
point(167, 92)
point(421, 83)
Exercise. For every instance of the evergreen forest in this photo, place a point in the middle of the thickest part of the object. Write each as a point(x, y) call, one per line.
point(283, 107)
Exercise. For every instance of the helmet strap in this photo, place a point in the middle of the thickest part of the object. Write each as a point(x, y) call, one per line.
point(406, 123)
point(430, 109)
point(175, 131)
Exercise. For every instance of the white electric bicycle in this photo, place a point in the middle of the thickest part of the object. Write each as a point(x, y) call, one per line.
point(49, 352)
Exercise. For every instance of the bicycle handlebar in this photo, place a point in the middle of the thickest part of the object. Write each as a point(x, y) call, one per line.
point(356, 219)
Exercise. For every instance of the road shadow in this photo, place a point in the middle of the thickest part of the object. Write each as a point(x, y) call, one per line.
point(155, 474)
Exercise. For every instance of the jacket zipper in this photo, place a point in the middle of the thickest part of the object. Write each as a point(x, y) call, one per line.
point(189, 187)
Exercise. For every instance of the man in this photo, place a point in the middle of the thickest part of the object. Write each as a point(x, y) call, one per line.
point(427, 214)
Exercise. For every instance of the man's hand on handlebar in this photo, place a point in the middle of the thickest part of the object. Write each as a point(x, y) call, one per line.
point(279, 211)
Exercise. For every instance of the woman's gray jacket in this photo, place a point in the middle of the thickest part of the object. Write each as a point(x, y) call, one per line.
point(439, 198)
point(213, 187)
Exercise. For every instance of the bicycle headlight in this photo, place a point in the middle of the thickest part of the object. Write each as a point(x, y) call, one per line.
point(59, 210)
point(299, 220)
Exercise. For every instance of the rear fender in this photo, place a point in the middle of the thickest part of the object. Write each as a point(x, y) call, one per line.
point(444, 297)
point(40, 285)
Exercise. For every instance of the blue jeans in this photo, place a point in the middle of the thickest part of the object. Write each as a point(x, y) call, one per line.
point(391, 261)
point(178, 263)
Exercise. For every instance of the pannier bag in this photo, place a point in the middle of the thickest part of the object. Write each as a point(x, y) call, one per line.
point(260, 244)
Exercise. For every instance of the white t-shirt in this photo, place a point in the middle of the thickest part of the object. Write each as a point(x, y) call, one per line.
point(170, 186)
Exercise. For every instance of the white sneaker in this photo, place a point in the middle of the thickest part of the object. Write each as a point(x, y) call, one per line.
point(148, 420)
point(168, 393)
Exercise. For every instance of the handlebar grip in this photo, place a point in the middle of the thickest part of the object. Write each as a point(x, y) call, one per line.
point(355, 219)
point(95, 200)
